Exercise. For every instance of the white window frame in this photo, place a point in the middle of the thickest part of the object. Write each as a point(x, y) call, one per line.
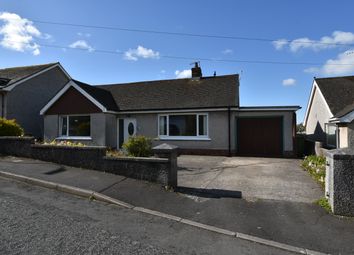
point(67, 137)
point(197, 137)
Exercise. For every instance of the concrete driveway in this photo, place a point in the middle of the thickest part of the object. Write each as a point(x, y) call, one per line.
point(251, 178)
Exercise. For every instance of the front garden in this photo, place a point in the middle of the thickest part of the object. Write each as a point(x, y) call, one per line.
point(316, 166)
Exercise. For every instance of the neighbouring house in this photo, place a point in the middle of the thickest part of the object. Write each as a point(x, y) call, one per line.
point(201, 115)
point(25, 90)
point(329, 116)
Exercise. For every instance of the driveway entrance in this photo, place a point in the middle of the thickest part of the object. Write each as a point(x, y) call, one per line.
point(253, 178)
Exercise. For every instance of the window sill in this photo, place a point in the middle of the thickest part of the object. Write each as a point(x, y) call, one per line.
point(184, 138)
point(83, 138)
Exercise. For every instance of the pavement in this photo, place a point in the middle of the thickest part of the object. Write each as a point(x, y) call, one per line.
point(301, 224)
point(254, 178)
point(35, 220)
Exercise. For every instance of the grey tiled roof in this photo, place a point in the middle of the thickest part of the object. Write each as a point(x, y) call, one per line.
point(11, 75)
point(218, 91)
point(101, 95)
point(338, 92)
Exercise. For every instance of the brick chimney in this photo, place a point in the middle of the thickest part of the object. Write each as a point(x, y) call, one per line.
point(196, 71)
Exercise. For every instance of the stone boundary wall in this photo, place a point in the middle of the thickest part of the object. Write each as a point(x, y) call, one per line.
point(313, 148)
point(339, 184)
point(161, 169)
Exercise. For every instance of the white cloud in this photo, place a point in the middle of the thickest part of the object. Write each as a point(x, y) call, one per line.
point(312, 70)
point(289, 82)
point(342, 65)
point(326, 42)
point(81, 44)
point(280, 44)
point(227, 51)
point(19, 33)
point(140, 52)
point(84, 34)
point(183, 74)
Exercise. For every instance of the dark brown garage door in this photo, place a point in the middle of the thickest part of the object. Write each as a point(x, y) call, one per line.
point(259, 136)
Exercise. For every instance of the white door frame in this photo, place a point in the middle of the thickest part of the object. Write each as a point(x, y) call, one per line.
point(126, 135)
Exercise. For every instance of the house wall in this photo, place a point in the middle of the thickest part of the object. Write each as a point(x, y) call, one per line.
point(103, 129)
point(343, 137)
point(111, 130)
point(351, 135)
point(287, 125)
point(318, 115)
point(51, 127)
point(25, 101)
point(147, 125)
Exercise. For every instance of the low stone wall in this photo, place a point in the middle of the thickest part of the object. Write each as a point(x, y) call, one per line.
point(161, 169)
point(156, 169)
point(85, 157)
point(16, 146)
point(340, 181)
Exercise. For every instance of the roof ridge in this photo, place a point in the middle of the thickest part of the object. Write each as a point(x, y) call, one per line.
point(335, 77)
point(163, 80)
point(48, 64)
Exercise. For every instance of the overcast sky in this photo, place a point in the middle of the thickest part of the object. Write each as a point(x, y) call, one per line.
point(315, 38)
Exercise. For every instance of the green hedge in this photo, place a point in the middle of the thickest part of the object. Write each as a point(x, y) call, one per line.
point(316, 166)
point(10, 128)
point(138, 146)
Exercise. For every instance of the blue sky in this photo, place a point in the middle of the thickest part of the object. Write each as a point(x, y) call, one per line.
point(318, 26)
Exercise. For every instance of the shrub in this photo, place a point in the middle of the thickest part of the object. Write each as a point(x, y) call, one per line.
point(316, 166)
point(138, 146)
point(10, 128)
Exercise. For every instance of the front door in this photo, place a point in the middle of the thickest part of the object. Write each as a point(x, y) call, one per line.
point(126, 129)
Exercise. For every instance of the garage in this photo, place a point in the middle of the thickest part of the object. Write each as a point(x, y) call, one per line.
point(260, 136)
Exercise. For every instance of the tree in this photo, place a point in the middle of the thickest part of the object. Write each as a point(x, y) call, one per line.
point(300, 128)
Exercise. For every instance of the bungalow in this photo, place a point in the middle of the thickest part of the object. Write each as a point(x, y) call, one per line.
point(329, 116)
point(25, 90)
point(201, 115)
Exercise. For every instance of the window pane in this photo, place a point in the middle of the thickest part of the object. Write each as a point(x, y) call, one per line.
point(182, 125)
point(64, 125)
point(331, 134)
point(163, 125)
point(202, 125)
point(79, 125)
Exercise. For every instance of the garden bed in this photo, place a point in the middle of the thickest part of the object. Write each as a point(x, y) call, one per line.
point(316, 166)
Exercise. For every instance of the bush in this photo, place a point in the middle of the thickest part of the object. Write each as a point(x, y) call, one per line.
point(138, 146)
point(10, 128)
point(316, 166)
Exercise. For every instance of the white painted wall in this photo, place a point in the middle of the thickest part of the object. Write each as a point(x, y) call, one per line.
point(343, 137)
point(318, 115)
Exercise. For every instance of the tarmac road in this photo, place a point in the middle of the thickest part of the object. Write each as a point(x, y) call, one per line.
point(36, 220)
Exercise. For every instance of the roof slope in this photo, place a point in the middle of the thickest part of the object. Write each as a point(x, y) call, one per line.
point(218, 91)
point(104, 97)
point(338, 92)
point(11, 75)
